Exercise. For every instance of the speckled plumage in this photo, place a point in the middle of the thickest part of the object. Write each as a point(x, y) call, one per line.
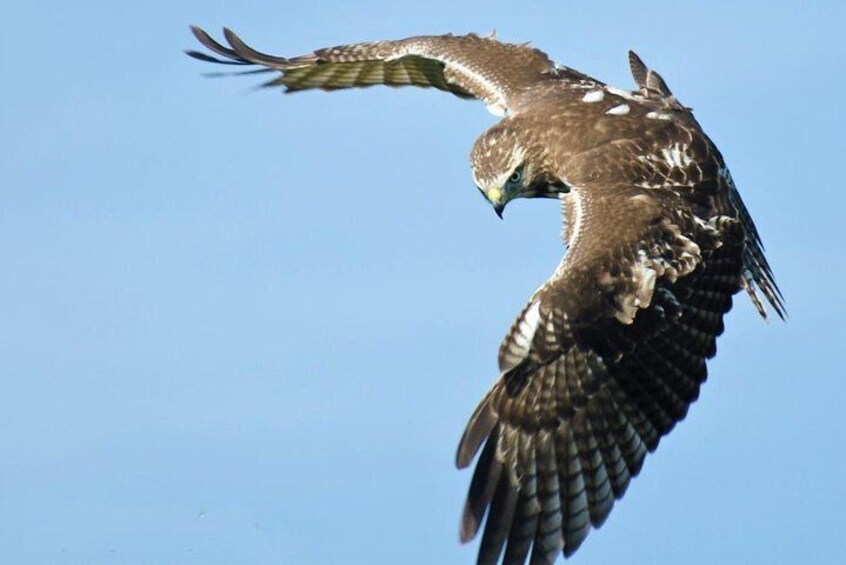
point(610, 352)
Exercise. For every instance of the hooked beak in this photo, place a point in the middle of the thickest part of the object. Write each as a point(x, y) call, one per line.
point(497, 199)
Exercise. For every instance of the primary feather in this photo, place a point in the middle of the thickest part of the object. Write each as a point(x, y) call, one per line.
point(610, 352)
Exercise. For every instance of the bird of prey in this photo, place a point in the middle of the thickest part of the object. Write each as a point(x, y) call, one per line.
point(610, 352)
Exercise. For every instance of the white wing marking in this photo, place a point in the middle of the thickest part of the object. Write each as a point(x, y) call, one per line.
point(593, 96)
point(620, 92)
point(528, 326)
point(658, 116)
point(494, 99)
point(620, 110)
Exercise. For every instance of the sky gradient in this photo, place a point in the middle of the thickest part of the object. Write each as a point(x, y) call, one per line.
point(246, 328)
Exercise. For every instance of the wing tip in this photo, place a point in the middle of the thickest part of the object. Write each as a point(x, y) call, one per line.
point(248, 53)
point(206, 40)
point(238, 52)
point(197, 31)
point(469, 526)
point(478, 429)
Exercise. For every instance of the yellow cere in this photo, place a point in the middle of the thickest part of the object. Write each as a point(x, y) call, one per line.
point(495, 195)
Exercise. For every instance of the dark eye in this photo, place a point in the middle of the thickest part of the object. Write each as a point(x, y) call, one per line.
point(516, 176)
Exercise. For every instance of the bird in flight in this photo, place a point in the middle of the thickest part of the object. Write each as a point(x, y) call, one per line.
point(610, 352)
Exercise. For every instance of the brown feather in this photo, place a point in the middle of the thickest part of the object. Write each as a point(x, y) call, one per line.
point(608, 355)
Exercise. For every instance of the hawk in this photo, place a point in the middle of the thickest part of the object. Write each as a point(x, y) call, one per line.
point(610, 352)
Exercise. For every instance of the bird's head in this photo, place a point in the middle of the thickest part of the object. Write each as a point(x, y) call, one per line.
point(507, 166)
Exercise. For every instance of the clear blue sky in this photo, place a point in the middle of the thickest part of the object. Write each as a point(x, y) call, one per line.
point(239, 327)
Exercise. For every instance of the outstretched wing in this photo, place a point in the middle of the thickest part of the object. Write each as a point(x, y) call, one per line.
point(603, 362)
point(468, 66)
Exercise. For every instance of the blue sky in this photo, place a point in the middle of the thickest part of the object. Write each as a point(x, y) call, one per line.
point(246, 328)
